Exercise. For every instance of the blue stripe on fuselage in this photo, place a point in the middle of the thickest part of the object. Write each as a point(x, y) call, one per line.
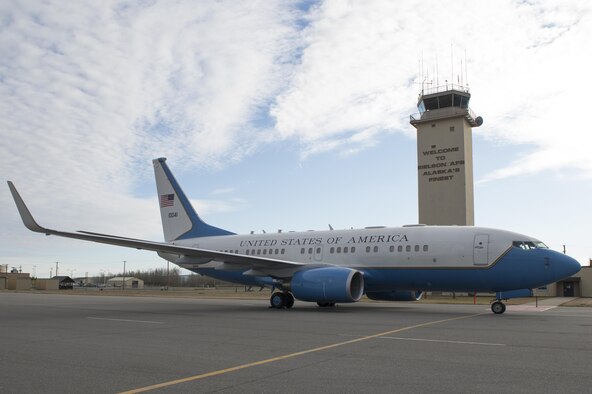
point(517, 269)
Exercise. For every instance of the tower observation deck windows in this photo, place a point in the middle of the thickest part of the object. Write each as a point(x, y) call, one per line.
point(444, 100)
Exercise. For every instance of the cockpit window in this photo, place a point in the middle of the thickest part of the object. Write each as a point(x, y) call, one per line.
point(528, 245)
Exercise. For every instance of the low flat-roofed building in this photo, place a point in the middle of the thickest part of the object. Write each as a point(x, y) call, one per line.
point(47, 284)
point(130, 282)
point(17, 281)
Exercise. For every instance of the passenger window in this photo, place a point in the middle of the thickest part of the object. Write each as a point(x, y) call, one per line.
point(332, 250)
point(345, 249)
point(283, 251)
point(264, 251)
point(367, 249)
point(392, 248)
point(258, 252)
point(400, 248)
point(318, 250)
point(339, 249)
point(425, 248)
point(302, 251)
point(408, 248)
point(277, 251)
point(417, 248)
point(353, 249)
point(247, 252)
point(309, 250)
point(375, 249)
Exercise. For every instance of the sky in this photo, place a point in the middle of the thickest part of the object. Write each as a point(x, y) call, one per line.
point(282, 115)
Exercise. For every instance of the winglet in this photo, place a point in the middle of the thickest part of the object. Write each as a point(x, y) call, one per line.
point(26, 216)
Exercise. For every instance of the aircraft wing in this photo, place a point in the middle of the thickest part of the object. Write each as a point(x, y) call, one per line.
point(255, 263)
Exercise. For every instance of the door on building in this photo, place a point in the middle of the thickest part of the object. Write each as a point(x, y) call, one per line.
point(568, 289)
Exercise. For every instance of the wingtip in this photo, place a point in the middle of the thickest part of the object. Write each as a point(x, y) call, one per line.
point(26, 216)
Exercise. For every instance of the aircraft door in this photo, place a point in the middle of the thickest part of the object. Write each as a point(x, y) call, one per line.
point(318, 253)
point(481, 249)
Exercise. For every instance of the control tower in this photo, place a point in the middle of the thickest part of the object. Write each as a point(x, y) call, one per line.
point(445, 155)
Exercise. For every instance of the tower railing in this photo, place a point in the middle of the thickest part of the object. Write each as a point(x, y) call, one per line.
point(447, 112)
point(443, 88)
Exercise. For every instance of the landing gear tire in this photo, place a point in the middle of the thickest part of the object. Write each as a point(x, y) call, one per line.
point(289, 302)
point(326, 304)
point(498, 307)
point(277, 300)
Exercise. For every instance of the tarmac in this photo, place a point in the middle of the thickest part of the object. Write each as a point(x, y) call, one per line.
point(64, 343)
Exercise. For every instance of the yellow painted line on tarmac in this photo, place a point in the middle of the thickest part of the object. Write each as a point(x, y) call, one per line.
point(290, 355)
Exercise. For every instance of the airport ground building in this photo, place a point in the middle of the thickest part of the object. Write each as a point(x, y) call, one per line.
point(579, 285)
point(128, 281)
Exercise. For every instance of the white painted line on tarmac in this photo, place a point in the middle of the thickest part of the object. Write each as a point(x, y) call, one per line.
point(529, 308)
point(127, 320)
point(445, 341)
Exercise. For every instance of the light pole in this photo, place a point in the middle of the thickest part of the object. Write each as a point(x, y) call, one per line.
point(123, 274)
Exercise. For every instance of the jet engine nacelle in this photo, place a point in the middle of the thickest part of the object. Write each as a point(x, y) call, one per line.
point(395, 295)
point(328, 284)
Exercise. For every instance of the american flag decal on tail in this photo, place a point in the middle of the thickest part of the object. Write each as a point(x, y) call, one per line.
point(167, 200)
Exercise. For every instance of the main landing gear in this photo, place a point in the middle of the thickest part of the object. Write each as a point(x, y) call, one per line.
point(281, 300)
point(498, 307)
point(326, 304)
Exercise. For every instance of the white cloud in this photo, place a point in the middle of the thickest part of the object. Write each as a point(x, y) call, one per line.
point(358, 75)
point(91, 92)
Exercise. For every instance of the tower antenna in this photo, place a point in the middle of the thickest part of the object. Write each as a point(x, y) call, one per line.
point(466, 70)
point(451, 64)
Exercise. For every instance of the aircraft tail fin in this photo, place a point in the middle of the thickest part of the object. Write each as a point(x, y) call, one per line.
point(179, 219)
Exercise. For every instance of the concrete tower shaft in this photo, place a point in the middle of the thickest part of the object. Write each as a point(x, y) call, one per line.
point(445, 156)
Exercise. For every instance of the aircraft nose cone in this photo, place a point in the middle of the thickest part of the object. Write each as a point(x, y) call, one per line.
point(569, 266)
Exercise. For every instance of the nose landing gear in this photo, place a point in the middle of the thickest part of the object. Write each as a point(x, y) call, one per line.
point(498, 307)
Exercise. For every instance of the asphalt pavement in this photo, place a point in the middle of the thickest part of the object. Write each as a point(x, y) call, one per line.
point(63, 343)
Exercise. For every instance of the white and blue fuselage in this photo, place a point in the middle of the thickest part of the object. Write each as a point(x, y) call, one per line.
point(438, 258)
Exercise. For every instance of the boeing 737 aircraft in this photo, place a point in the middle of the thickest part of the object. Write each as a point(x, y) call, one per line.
point(340, 266)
